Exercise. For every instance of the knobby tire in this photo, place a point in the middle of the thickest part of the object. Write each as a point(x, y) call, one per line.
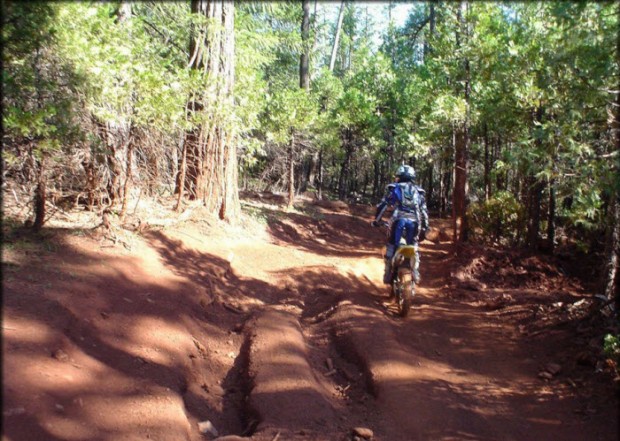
point(404, 291)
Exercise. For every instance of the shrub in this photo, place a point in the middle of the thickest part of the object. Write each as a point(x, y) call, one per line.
point(611, 347)
point(500, 217)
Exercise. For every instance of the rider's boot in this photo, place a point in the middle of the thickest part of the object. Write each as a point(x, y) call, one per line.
point(416, 267)
point(416, 276)
point(387, 273)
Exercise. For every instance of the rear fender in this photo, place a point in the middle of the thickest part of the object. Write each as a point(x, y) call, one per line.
point(405, 254)
point(407, 251)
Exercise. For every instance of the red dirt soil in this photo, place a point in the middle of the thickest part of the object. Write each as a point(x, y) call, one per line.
point(182, 327)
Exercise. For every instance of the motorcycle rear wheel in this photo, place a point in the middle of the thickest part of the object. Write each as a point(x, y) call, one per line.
point(403, 288)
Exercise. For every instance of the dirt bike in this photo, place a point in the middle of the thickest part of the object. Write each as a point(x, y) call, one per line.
point(402, 280)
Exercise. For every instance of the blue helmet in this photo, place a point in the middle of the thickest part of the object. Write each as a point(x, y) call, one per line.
point(405, 173)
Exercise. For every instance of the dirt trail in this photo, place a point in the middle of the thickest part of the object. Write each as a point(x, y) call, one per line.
point(280, 329)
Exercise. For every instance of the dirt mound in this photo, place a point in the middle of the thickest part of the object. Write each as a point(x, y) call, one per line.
point(509, 268)
point(336, 205)
point(439, 234)
point(284, 391)
point(542, 300)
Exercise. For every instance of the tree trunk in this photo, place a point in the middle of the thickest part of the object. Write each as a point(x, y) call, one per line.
point(612, 282)
point(464, 233)
point(320, 177)
point(344, 168)
point(376, 183)
point(612, 276)
point(430, 186)
point(501, 179)
point(428, 49)
point(181, 177)
point(314, 32)
point(304, 83)
point(460, 186)
point(123, 13)
point(351, 39)
point(40, 196)
point(91, 181)
point(304, 77)
point(461, 152)
point(351, 180)
point(312, 166)
point(194, 155)
point(118, 131)
point(212, 174)
point(114, 169)
point(291, 172)
point(447, 171)
point(332, 60)
point(180, 163)
point(128, 177)
point(487, 164)
point(534, 195)
point(365, 185)
point(442, 201)
point(551, 217)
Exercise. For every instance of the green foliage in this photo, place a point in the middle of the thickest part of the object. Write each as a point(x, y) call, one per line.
point(130, 80)
point(290, 110)
point(611, 347)
point(39, 87)
point(541, 78)
point(499, 218)
point(585, 210)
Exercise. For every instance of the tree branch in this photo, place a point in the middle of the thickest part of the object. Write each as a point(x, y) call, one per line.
point(414, 35)
point(165, 37)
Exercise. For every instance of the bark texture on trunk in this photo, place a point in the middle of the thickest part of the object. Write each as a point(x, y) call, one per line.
point(461, 145)
point(291, 173)
point(612, 279)
point(319, 184)
point(40, 196)
point(534, 189)
point(487, 165)
point(181, 178)
point(128, 179)
point(459, 205)
point(345, 166)
point(211, 151)
point(304, 62)
point(551, 217)
point(332, 60)
point(533, 192)
point(612, 282)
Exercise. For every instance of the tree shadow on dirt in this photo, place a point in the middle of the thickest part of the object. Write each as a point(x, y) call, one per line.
point(315, 290)
point(93, 311)
point(323, 233)
point(219, 275)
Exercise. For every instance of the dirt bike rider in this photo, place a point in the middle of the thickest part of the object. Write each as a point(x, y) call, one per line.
point(410, 213)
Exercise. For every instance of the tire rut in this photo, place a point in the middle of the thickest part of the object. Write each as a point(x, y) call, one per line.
point(298, 380)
